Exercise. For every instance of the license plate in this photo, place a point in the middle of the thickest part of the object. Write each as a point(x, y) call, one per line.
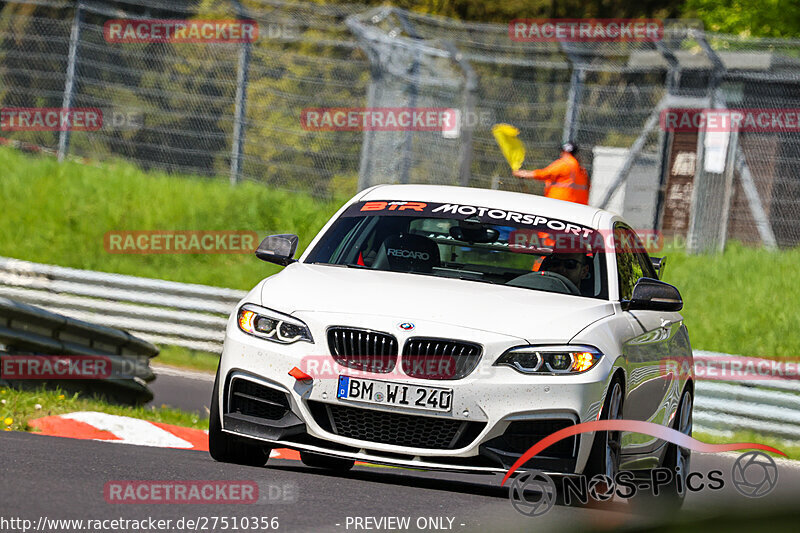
point(403, 395)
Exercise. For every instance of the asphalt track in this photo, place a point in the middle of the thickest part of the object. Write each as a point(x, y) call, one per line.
point(60, 478)
point(186, 390)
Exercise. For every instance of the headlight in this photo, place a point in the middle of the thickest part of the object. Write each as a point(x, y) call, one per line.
point(271, 325)
point(550, 359)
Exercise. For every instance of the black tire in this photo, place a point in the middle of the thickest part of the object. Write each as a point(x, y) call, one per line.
point(228, 449)
point(325, 461)
point(604, 458)
point(676, 456)
point(597, 464)
point(670, 499)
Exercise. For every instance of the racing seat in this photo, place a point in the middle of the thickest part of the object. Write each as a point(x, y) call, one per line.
point(407, 252)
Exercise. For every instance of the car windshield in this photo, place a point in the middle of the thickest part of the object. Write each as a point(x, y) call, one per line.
point(471, 243)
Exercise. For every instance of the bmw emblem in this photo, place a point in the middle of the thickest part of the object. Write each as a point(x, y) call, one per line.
point(407, 326)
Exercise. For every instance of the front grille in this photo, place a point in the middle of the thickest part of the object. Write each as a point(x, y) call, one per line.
point(362, 349)
point(394, 428)
point(429, 358)
point(252, 399)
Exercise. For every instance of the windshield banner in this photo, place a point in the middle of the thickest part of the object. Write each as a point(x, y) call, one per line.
point(521, 232)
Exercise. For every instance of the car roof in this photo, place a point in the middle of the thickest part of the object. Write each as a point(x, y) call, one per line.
point(506, 200)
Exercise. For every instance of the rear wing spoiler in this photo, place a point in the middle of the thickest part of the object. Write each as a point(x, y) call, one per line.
point(658, 264)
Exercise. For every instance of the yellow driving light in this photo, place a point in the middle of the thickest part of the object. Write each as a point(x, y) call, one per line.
point(246, 321)
point(582, 361)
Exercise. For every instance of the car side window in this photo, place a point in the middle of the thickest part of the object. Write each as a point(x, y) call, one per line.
point(649, 271)
point(629, 267)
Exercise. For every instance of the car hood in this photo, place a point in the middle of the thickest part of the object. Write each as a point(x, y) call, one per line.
point(535, 316)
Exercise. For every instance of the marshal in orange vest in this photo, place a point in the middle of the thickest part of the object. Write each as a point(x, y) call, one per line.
point(565, 178)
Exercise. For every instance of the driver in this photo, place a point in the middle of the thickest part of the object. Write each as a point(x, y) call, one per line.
point(573, 266)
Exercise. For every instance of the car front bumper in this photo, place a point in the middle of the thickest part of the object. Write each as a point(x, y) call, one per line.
point(497, 412)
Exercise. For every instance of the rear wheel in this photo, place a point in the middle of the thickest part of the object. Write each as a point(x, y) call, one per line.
point(317, 460)
point(226, 448)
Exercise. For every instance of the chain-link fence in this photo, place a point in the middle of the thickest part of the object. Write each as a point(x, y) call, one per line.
point(233, 109)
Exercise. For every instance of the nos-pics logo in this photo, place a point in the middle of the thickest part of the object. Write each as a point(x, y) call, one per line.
point(533, 493)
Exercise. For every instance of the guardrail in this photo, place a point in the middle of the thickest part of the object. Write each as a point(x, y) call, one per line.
point(32, 332)
point(162, 312)
point(194, 316)
point(766, 406)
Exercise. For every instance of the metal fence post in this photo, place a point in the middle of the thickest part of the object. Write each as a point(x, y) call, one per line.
point(633, 153)
point(665, 141)
point(69, 84)
point(748, 185)
point(470, 91)
point(240, 107)
point(730, 162)
point(693, 245)
point(366, 164)
point(574, 96)
point(413, 93)
point(465, 152)
point(573, 104)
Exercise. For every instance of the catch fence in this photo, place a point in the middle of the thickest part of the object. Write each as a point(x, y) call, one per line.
point(233, 109)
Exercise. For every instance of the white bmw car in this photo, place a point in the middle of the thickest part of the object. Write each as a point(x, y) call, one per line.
point(452, 328)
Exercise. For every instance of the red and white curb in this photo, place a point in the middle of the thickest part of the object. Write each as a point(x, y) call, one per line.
point(92, 425)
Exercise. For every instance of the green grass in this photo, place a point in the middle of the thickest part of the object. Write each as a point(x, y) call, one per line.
point(58, 213)
point(744, 301)
point(186, 358)
point(21, 406)
point(790, 448)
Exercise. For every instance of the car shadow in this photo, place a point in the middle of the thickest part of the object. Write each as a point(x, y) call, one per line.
point(409, 478)
point(483, 485)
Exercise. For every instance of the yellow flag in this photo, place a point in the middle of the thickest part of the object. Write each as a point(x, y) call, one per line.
point(510, 145)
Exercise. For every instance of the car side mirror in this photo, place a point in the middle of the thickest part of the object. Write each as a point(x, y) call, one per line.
point(278, 249)
point(654, 295)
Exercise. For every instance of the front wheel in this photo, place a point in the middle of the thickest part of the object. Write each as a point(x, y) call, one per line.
point(604, 458)
point(677, 461)
point(226, 448)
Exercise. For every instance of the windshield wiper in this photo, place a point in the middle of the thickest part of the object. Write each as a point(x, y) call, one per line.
point(346, 265)
point(469, 278)
point(452, 274)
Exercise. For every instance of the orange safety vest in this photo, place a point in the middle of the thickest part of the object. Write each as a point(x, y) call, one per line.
point(565, 179)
